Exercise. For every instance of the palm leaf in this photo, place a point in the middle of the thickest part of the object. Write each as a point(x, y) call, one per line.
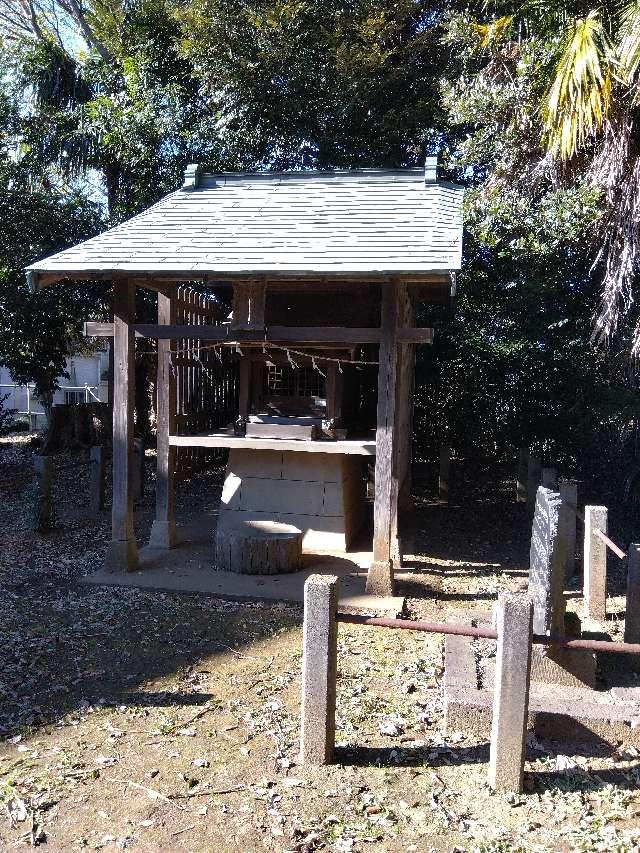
point(488, 34)
point(628, 47)
point(578, 101)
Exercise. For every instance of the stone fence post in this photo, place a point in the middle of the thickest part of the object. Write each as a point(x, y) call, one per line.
point(43, 511)
point(319, 669)
point(97, 469)
point(514, 614)
point(567, 524)
point(595, 563)
point(632, 614)
point(444, 473)
point(534, 471)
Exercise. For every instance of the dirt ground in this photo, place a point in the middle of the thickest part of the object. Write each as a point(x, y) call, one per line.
point(159, 722)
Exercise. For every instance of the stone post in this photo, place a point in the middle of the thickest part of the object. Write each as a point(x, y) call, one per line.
point(511, 693)
point(567, 523)
point(521, 476)
point(546, 565)
point(43, 512)
point(632, 615)
point(533, 481)
point(550, 478)
point(97, 471)
point(319, 669)
point(443, 477)
point(595, 563)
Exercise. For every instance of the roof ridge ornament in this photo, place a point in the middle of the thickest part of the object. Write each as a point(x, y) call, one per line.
point(192, 175)
point(431, 170)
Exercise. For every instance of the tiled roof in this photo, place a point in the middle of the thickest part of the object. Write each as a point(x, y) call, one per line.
point(283, 224)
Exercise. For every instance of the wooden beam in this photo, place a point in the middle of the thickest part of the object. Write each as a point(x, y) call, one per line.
point(145, 278)
point(380, 579)
point(163, 530)
point(98, 330)
point(415, 335)
point(123, 550)
point(346, 447)
point(46, 279)
point(273, 334)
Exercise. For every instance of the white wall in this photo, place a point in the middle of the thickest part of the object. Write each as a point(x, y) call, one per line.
point(83, 370)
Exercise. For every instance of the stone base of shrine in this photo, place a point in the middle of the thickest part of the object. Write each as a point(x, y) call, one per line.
point(187, 568)
point(321, 494)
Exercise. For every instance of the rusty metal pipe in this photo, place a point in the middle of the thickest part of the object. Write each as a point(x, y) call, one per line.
point(420, 625)
point(461, 630)
point(597, 532)
point(589, 645)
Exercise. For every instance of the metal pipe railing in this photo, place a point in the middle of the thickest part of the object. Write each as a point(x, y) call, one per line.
point(29, 388)
point(462, 630)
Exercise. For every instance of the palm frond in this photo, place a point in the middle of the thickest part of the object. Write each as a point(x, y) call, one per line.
point(616, 171)
point(488, 34)
point(578, 101)
point(628, 47)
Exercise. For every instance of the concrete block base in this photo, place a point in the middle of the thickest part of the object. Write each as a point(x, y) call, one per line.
point(322, 494)
point(380, 580)
point(564, 667)
point(556, 712)
point(163, 535)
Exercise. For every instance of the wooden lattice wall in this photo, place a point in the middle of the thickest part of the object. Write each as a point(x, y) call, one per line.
point(206, 382)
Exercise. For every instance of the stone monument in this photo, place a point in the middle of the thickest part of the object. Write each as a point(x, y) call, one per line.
point(547, 558)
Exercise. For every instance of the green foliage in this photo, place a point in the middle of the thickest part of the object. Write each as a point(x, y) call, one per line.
point(515, 366)
point(36, 219)
point(319, 84)
point(300, 84)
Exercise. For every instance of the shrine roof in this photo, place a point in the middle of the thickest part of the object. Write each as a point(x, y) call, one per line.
point(290, 224)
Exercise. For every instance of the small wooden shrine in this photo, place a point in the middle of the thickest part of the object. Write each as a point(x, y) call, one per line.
point(308, 381)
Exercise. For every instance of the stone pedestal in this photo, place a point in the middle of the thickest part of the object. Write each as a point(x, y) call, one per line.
point(321, 494)
point(564, 667)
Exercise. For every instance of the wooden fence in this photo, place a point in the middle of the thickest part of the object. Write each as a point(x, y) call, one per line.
point(206, 379)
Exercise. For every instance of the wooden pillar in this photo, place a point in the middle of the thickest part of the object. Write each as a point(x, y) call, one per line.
point(380, 579)
point(248, 305)
point(404, 402)
point(123, 550)
point(245, 386)
point(163, 531)
point(334, 393)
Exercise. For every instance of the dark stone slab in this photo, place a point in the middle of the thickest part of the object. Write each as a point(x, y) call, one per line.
point(546, 565)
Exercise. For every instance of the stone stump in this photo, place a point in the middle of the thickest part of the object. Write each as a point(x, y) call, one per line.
point(534, 472)
point(258, 548)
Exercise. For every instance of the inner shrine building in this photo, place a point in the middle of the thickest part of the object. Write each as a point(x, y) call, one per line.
point(286, 334)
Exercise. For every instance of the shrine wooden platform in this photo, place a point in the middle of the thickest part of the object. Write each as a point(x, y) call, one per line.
point(226, 438)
